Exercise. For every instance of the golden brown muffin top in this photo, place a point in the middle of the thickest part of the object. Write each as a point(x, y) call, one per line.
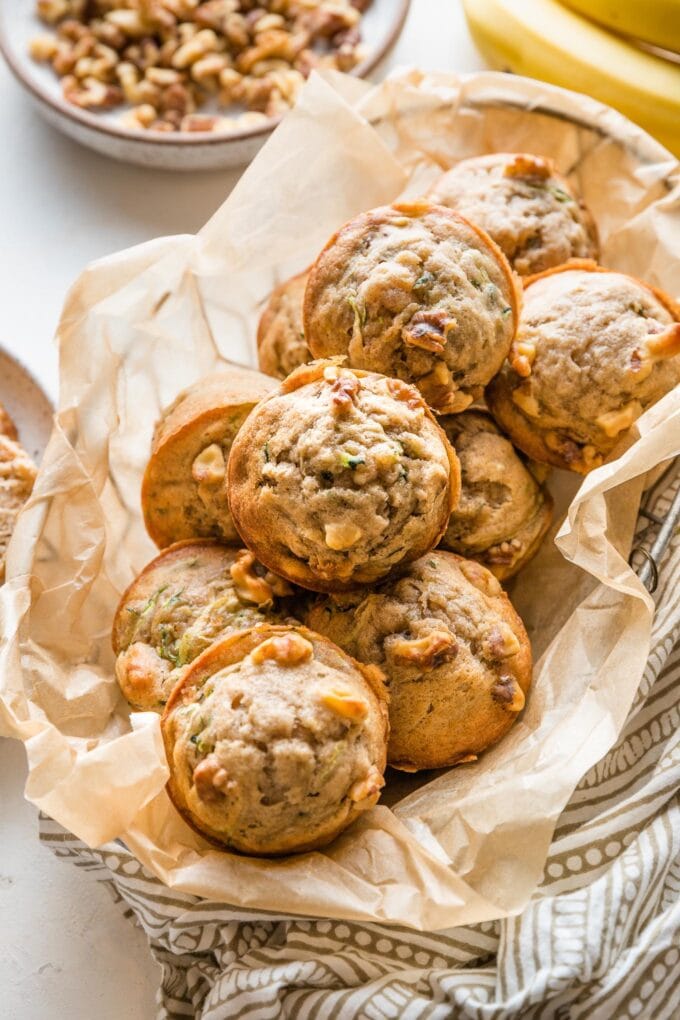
point(454, 651)
point(524, 204)
point(414, 291)
point(276, 741)
point(339, 476)
point(595, 348)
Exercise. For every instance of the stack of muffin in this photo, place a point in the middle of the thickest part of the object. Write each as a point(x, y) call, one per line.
point(379, 501)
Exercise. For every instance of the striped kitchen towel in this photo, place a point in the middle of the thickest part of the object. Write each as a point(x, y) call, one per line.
point(599, 940)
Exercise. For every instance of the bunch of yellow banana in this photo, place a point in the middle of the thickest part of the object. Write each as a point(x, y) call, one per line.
point(545, 39)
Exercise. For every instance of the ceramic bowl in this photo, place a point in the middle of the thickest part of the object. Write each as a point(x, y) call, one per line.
point(28, 405)
point(381, 26)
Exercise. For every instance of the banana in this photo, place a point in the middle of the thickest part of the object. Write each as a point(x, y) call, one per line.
point(654, 21)
point(542, 39)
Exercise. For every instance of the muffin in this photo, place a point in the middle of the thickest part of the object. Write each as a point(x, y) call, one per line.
point(194, 593)
point(339, 476)
point(184, 486)
point(454, 651)
point(281, 345)
point(414, 291)
point(17, 475)
point(276, 741)
point(503, 512)
point(595, 349)
point(524, 204)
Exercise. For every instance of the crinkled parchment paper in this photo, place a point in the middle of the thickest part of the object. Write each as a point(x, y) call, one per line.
point(465, 845)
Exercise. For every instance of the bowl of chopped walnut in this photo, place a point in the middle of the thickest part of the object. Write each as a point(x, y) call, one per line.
point(185, 84)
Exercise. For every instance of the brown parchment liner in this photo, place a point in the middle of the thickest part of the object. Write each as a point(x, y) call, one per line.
point(469, 844)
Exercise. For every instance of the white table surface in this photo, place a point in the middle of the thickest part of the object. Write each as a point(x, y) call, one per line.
point(65, 949)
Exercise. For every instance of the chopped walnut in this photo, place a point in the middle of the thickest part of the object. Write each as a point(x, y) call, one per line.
point(345, 704)
point(233, 50)
point(571, 452)
point(507, 693)
point(285, 649)
point(501, 642)
point(522, 356)
point(209, 467)
point(405, 392)
point(427, 652)
point(365, 791)
point(429, 330)
point(480, 577)
point(504, 553)
point(249, 586)
point(210, 779)
point(523, 165)
point(342, 536)
point(614, 422)
point(665, 344)
point(343, 391)
point(139, 669)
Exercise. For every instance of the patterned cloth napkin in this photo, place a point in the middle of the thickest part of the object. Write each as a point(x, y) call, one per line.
point(599, 940)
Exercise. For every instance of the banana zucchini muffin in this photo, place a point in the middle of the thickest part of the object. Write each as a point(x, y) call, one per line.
point(281, 345)
point(184, 486)
point(524, 204)
point(276, 741)
point(194, 593)
point(454, 651)
point(339, 476)
point(503, 512)
point(595, 349)
point(414, 291)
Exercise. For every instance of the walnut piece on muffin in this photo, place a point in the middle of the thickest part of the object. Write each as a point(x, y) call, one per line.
point(191, 595)
point(414, 291)
point(594, 349)
point(503, 512)
point(276, 741)
point(455, 653)
point(524, 204)
point(339, 476)
point(184, 485)
point(281, 344)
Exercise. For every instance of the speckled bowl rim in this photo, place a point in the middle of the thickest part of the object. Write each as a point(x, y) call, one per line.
point(182, 139)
